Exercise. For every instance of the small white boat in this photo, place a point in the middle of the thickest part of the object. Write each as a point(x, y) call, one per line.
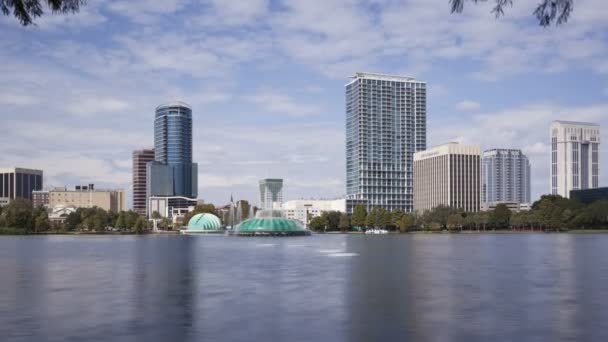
point(376, 231)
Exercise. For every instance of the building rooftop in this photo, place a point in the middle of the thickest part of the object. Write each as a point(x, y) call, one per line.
point(174, 104)
point(382, 77)
point(576, 123)
point(20, 170)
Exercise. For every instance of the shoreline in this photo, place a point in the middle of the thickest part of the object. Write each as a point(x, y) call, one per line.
point(468, 232)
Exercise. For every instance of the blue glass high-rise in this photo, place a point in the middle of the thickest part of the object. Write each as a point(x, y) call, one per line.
point(173, 173)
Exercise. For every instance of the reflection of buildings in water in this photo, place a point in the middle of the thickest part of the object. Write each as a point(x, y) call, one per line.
point(390, 289)
point(163, 288)
point(566, 288)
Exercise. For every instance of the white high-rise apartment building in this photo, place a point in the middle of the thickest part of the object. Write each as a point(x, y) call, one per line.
point(385, 125)
point(574, 156)
point(505, 176)
point(448, 175)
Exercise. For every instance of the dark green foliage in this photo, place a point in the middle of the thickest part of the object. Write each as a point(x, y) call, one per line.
point(27, 10)
point(140, 225)
point(18, 214)
point(331, 219)
point(317, 224)
point(500, 217)
point(344, 222)
point(547, 12)
point(359, 216)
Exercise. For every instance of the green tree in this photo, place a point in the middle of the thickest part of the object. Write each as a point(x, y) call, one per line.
point(156, 215)
point(131, 218)
point(406, 222)
point(344, 222)
point(73, 221)
point(41, 222)
point(384, 219)
point(359, 218)
point(500, 217)
point(547, 12)
point(371, 220)
point(396, 216)
point(317, 224)
point(120, 221)
point(26, 10)
point(18, 214)
point(140, 225)
point(331, 219)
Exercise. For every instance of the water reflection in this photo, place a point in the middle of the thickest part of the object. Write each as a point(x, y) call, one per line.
point(323, 288)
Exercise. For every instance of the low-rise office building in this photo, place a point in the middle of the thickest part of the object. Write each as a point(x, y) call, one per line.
point(447, 175)
point(86, 196)
point(588, 196)
point(303, 210)
point(40, 198)
point(513, 206)
point(172, 207)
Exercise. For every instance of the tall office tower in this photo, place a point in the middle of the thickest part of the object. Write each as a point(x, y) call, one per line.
point(271, 191)
point(385, 125)
point(18, 182)
point(574, 156)
point(172, 174)
point(447, 175)
point(140, 159)
point(505, 176)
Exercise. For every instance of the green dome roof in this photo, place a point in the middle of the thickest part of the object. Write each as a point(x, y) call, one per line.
point(203, 222)
point(270, 223)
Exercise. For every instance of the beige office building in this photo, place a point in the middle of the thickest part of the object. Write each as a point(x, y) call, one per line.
point(88, 197)
point(447, 175)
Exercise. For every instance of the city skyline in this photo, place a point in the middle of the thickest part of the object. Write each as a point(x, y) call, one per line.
point(285, 119)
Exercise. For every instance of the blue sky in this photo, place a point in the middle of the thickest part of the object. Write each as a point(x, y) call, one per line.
point(265, 79)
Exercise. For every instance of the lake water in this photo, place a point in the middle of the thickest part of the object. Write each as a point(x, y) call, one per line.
point(416, 287)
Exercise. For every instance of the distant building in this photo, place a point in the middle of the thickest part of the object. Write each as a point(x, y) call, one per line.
point(589, 196)
point(140, 159)
point(575, 156)
point(40, 199)
point(271, 193)
point(18, 182)
point(86, 196)
point(172, 174)
point(513, 206)
point(174, 207)
point(447, 175)
point(303, 210)
point(505, 176)
point(385, 125)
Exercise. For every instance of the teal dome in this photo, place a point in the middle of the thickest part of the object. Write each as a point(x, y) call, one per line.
point(270, 222)
point(204, 222)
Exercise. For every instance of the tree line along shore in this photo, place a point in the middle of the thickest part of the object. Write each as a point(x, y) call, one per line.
point(549, 213)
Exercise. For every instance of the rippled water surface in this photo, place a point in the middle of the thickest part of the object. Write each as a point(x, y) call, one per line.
point(321, 288)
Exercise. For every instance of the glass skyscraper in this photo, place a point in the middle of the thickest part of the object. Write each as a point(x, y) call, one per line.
point(505, 176)
point(271, 191)
point(385, 125)
point(172, 174)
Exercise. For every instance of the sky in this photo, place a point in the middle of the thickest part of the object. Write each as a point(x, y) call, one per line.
point(266, 82)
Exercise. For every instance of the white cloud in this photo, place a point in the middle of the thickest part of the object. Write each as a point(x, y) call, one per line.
point(92, 106)
point(279, 103)
point(468, 106)
point(17, 99)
